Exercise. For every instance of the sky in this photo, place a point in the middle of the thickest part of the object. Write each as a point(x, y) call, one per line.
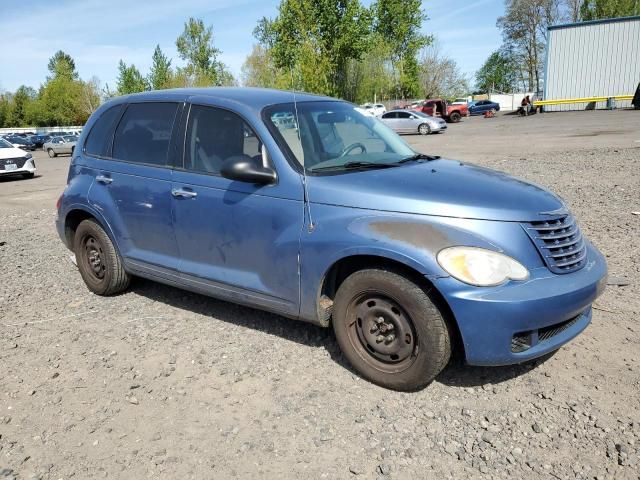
point(98, 33)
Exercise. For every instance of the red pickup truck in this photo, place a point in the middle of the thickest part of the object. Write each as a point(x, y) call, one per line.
point(440, 108)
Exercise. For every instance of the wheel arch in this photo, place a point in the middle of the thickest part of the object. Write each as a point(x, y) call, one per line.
point(77, 214)
point(347, 265)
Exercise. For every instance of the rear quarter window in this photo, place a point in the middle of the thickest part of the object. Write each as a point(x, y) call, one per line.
point(99, 139)
point(144, 133)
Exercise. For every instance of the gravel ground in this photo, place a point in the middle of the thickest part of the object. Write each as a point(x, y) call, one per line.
point(160, 383)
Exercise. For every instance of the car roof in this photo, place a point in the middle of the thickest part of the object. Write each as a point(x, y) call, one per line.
point(255, 98)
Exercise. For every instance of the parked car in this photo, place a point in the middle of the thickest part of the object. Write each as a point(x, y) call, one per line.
point(21, 143)
point(39, 140)
point(340, 223)
point(60, 145)
point(481, 106)
point(405, 121)
point(440, 108)
point(15, 162)
point(375, 109)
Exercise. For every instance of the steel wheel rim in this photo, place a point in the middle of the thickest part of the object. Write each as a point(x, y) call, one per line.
point(382, 332)
point(93, 257)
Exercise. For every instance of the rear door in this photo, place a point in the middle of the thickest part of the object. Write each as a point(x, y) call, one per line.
point(237, 240)
point(132, 186)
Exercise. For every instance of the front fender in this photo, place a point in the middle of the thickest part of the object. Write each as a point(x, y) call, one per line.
point(412, 240)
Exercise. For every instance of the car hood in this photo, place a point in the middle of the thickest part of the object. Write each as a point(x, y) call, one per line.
point(439, 187)
point(13, 152)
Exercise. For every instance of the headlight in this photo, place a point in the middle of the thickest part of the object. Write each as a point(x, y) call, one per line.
point(480, 267)
point(28, 156)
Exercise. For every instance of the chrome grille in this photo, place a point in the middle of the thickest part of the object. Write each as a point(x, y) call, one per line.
point(559, 242)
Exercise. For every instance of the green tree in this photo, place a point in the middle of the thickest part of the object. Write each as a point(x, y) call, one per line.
point(372, 78)
point(399, 22)
point(499, 73)
point(195, 46)
point(160, 74)
point(130, 80)
point(5, 105)
point(18, 112)
point(314, 40)
point(597, 9)
point(62, 65)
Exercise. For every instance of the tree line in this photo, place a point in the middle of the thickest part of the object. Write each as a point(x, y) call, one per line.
point(333, 47)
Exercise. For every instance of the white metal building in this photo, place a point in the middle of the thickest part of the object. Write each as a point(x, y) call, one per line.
point(592, 59)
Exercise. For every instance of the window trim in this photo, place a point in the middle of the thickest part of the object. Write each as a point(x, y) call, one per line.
point(185, 130)
point(114, 128)
point(111, 133)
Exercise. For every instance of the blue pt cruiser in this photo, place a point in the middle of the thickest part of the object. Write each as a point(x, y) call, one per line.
point(303, 206)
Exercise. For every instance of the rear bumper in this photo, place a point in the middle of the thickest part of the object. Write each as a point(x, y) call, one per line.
point(520, 321)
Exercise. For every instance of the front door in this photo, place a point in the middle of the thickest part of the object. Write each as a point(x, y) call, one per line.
point(237, 240)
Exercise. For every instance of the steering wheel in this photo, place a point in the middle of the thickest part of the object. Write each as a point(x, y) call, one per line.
point(351, 147)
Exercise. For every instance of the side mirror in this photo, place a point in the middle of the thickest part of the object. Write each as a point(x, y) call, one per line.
point(244, 169)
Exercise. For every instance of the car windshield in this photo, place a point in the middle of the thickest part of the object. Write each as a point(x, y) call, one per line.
point(70, 138)
point(5, 144)
point(333, 135)
point(420, 114)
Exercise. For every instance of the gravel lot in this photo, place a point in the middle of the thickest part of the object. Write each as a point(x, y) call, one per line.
point(160, 383)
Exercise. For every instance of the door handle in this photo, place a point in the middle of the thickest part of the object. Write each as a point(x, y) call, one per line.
point(179, 193)
point(104, 179)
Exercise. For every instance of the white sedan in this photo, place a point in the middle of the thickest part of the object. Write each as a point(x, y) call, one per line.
point(14, 161)
point(375, 110)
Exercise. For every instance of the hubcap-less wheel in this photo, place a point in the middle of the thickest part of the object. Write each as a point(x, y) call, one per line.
point(93, 255)
point(382, 332)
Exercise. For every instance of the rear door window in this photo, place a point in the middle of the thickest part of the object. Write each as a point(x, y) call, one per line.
point(99, 139)
point(144, 133)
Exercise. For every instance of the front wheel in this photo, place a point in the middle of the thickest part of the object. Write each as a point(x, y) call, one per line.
point(424, 129)
point(390, 330)
point(51, 153)
point(98, 261)
point(455, 117)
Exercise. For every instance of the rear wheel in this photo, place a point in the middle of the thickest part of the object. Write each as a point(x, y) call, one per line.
point(51, 153)
point(424, 129)
point(455, 117)
point(98, 261)
point(390, 330)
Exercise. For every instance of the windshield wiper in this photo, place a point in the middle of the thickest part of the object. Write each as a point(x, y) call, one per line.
point(355, 166)
point(419, 156)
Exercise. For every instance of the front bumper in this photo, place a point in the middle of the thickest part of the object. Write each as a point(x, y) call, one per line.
point(438, 127)
point(28, 167)
point(520, 321)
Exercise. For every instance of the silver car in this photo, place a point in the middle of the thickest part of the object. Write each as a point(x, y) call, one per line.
point(60, 144)
point(405, 121)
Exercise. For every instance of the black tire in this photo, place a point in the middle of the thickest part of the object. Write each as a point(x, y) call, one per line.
point(422, 347)
point(455, 117)
point(51, 153)
point(28, 175)
point(72, 149)
point(98, 261)
point(424, 129)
